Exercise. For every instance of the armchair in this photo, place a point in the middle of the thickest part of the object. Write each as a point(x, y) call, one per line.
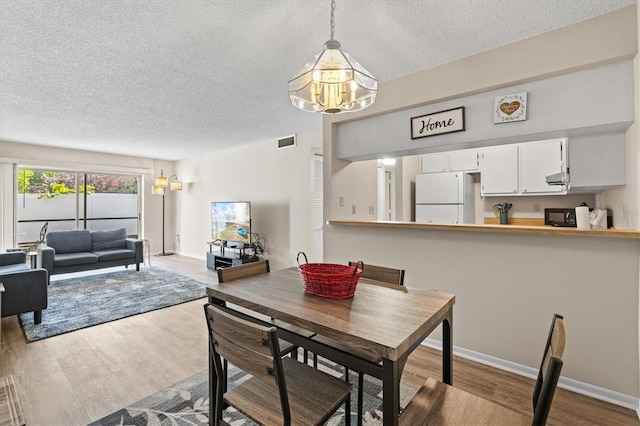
point(25, 288)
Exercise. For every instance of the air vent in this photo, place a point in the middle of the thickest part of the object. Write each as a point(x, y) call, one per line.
point(287, 142)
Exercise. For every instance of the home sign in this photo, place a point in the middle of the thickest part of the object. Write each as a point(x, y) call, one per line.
point(437, 123)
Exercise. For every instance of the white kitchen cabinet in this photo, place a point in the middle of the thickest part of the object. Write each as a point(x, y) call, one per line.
point(521, 169)
point(499, 170)
point(465, 160)
point(536, 161)
point(434, 163)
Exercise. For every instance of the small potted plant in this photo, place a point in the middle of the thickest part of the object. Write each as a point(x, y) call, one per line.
point(503, 208)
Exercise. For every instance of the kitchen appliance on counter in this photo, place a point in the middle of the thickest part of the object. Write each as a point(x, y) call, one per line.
point(446, 197)
point(566, 217)
point(560, 217)
point(601, 218)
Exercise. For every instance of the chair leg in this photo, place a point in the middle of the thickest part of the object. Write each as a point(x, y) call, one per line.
point(360, 397)
point(315, 361)
point(347, 410)
point(225, 377)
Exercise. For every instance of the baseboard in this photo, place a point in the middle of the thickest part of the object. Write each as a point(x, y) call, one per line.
point(603, 394)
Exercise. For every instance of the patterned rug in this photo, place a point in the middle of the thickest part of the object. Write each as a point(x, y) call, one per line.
point(187, 402)
point(86, 301)
point(10, 408)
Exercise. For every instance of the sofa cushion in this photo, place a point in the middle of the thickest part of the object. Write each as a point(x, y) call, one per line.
point(111, 239)
point(72, 259)
point(115, 254)
point(73, 241)
point(9, 269)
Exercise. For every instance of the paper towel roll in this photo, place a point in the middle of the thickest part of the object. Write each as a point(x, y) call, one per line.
point(582, 218)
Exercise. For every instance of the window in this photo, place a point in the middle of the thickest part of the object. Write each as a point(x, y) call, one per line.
point(74, 200)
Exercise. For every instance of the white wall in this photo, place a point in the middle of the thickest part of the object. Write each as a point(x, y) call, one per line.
point(508, 286)
point(278, 183)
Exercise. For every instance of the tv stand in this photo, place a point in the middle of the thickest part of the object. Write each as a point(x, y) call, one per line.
point(224, 256)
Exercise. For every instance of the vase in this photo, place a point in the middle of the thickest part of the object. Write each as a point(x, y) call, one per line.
point(504, 219)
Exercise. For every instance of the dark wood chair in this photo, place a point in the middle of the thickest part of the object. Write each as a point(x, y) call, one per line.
point(281, 391)
point(389, 277)
point(243, 271)
point(442, 404)
point(381, 273)
point(255, 268)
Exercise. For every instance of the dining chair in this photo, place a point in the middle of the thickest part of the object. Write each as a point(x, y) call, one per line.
point(382, 275)
point(243, 271)
point(439, 403)
point(261, 267)
point(281, 391)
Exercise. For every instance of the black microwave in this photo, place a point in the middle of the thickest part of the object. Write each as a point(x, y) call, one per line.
point(560, 217)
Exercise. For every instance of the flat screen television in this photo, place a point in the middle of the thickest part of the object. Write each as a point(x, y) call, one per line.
point(231, 221)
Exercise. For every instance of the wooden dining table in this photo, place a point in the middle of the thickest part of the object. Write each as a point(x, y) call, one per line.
point(382, 322)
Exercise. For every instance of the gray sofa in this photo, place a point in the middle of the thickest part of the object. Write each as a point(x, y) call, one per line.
point(82, 250)
point(25, 288)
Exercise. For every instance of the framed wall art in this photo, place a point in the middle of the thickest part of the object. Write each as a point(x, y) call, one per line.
point(437, 123)
point(510, 108)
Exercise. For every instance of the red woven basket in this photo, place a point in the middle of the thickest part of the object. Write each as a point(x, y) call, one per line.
point(329, 279)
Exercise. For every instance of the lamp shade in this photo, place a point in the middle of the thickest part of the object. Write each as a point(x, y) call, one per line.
point(157, 190)
point(162, 181)
point(175, 186)
point(333, 82)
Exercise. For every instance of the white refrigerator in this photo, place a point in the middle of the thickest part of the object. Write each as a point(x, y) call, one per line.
point(445, 198)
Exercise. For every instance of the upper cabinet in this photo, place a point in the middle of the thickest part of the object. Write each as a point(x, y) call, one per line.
point(581, 165)
point(521, 169)
point(465, 160)
point(536, 161)
point(499, 171)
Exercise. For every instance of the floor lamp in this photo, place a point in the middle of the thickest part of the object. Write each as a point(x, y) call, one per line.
point(161, 184)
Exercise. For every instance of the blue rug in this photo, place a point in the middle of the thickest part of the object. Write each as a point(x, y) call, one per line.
point(81, 302)
point(187, 403)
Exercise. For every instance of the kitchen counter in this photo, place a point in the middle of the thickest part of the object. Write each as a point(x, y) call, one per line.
point(512, 229)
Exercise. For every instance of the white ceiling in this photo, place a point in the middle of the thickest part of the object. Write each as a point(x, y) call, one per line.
point(171, 79)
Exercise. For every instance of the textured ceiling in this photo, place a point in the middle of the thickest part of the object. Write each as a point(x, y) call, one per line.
point(171, 79)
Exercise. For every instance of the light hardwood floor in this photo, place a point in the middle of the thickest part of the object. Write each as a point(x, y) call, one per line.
point(79, 377)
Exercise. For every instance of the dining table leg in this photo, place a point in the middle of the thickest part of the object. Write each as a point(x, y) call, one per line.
point(447, 349)
point(390, 392)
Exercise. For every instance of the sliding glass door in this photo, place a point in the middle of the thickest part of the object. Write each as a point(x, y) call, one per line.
point(74, 200)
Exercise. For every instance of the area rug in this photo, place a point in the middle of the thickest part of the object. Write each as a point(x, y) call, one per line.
point(187, 402)
point(10, 408)
point(86, 301)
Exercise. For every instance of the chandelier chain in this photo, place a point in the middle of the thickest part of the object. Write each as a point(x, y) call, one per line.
point(333, 22)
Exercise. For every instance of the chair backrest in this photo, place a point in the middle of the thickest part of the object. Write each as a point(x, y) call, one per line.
point(249, 346)
point(549, 372)
point(382, 273)
point(242, 271)
point(43, 233)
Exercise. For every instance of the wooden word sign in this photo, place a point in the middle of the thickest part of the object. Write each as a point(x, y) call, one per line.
point(437, 123)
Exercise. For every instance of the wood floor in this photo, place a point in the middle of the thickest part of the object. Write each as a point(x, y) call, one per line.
point(79, 377)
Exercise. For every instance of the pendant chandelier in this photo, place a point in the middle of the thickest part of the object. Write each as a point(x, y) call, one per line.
point(333, 81)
